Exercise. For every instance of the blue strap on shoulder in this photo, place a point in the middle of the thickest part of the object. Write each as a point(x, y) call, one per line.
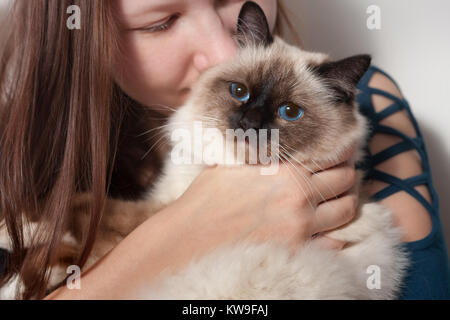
point(429, 274)
point(407, 143)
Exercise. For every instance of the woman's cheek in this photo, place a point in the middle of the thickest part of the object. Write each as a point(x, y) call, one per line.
point(148, 67)
point(150, 77)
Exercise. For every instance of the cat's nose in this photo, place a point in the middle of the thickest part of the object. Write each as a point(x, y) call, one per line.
point(252, 119)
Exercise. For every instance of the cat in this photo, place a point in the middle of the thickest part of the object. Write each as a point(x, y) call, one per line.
point(320, 123)
point(311, 101)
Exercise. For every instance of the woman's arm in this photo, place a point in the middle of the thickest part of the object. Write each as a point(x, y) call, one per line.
point(408, 212)
point(135, 260)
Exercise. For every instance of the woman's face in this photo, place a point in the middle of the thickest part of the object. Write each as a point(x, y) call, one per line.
point(169, 43)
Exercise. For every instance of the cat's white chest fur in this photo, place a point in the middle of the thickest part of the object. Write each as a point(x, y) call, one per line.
point(176, 177)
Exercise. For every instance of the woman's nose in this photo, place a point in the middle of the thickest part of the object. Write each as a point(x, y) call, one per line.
point(216, 46)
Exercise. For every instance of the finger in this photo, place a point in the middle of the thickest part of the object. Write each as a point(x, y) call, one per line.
point(329, 243)
point(335, 213)
point(333, 182)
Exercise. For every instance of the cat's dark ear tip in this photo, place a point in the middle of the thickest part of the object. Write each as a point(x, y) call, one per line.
point(253, 25)
point(361, 63)
point(250, 5)
point(366, 59)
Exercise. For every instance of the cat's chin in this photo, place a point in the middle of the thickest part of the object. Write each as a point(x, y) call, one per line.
point(351, 154)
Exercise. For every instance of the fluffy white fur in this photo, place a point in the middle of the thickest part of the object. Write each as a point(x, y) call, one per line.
point(269, 271)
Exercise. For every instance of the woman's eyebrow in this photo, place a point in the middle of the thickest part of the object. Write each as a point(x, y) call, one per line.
point(147, 6)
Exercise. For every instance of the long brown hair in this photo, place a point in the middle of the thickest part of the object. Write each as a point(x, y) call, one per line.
point(55, 119)
point(62, 120)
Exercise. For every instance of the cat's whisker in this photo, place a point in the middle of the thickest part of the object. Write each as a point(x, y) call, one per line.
point(310, 170)
point(161, 133)
point(298, 160)
point(156, 135)
point(321, 169)
point(161, 119)
point(325, 201)
point(170, 124)
point(296, 181)
point(317, 165)
point(153, 146)
point(293, 150)
point(162, 107)
point(153, 129)
point(166, 107)
point(321, 195)
point(208, 117)
point(309, 184)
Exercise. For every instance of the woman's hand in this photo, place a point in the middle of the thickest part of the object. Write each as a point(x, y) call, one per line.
point(233, 204)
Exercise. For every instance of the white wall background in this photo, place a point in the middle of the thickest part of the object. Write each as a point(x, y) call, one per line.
point(413, 46)
point(3, 4)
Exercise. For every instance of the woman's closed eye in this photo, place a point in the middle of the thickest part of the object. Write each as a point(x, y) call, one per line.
point(161, 26)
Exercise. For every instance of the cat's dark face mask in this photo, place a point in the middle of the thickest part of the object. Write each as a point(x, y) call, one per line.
point(307, 97)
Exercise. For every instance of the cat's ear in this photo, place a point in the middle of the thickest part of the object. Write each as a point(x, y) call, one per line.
point(344, 75)
point(252, 26)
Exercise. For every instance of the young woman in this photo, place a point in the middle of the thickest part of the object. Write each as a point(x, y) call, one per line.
point(74, 104)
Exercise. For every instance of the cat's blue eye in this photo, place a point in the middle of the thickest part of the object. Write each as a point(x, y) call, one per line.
point(290, 112)
point(239, 91)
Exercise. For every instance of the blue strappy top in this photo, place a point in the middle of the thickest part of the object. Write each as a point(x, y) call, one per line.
point(428, 277)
